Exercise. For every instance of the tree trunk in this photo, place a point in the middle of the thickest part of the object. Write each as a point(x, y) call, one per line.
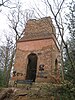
point(9, 69)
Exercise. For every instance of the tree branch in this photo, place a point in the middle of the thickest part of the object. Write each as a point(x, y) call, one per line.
point(51, 8)
point(60, 7)
point(3, 2)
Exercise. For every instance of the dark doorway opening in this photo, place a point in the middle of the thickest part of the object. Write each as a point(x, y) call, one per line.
point(56, 66)
point(31, 67)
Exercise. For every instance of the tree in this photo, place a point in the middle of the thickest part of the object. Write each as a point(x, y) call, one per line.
point(69, 72)
point(17, 20)
point(6, 59)
point(60, 29)
point(56, 13)
point(1, 78)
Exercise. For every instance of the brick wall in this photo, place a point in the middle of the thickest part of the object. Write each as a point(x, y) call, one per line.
point(46, 52)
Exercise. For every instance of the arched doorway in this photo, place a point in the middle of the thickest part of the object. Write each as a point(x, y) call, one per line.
point(31, 67)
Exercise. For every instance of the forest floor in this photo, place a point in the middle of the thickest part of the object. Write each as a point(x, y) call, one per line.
point(27, 92)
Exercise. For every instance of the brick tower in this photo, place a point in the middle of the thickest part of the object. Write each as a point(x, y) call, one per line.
point(37, 53)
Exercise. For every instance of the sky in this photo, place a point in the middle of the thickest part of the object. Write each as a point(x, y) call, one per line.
point(26, 4)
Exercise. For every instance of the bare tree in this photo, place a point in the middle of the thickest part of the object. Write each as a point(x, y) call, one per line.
point(17, 19)
point(60, 29)
point(7, 52)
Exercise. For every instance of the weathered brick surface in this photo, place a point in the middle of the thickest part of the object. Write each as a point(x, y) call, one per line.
point(38, 29)
point(46, 50)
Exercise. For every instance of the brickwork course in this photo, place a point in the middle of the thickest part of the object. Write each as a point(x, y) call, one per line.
point(39, 40)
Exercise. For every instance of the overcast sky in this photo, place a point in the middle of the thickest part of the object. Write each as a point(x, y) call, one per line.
point(26, 4)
